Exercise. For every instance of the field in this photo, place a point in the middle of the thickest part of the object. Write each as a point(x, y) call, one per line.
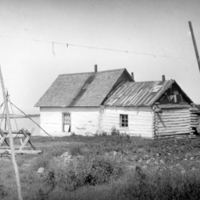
point(106, 167)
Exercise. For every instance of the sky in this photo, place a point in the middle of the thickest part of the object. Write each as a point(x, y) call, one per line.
point(40, 39)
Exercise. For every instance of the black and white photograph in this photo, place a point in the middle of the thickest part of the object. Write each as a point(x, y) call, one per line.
point(99, 99)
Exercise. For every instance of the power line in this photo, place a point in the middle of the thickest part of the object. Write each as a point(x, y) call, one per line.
point(94, 47)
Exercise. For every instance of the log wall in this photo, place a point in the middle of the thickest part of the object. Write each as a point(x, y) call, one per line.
point(194, 118)
point(172, 122)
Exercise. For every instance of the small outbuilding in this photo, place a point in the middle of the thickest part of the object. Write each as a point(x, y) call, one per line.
point(97, 102)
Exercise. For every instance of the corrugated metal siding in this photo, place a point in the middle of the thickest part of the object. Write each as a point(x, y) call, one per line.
point(140, 121)
point(138, 93)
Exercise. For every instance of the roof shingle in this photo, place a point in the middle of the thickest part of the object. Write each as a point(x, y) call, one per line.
point(81, 89)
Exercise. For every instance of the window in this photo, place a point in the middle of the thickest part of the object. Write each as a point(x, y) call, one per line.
point(66, 118)
point(123, 120)
point(66, 122)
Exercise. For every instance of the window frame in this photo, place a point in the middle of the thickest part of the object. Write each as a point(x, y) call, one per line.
point(123, 121)
point(66, 120)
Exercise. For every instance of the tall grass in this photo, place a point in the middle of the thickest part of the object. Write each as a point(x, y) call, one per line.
point(98, 170)
point(140, 185)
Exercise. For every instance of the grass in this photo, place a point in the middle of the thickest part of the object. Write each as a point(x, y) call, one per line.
point(106, 167)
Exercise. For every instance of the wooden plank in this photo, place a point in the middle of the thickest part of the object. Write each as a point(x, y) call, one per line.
point(173, 127)
point(172, 120)
point(194, 121)
point(178, 106)
point(194, 116)
point(16, 147)
point(22, 151)
point(193, 125)
point(173, 133)
point(175, 111)
point(179, 135)
point(174, 114)
point(180, 117)
point(176, 123)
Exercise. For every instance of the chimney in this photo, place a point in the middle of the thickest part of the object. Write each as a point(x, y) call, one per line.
point(95, 69)
point(132, 74)
point(163, 77)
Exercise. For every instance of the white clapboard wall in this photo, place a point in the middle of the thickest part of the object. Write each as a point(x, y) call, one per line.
point(140, 121)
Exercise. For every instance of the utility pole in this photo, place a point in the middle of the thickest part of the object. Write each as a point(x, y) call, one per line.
point(194, 43)
point(11, 139)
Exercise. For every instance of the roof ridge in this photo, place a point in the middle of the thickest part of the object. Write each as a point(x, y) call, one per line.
point(93, 72)
point(151, 81)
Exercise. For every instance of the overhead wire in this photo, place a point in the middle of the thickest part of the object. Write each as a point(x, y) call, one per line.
point(95, 47)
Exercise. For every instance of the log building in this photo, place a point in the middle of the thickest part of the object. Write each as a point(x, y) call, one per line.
point(96, 102)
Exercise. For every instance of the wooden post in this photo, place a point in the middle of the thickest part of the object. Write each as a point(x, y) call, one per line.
point(195, 45)
point(31, 119)
point(11, 140)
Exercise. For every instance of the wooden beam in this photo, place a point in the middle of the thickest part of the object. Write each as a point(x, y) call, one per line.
point(195, 44)
point(21, 151)
point(11, 139)
point(31, 119)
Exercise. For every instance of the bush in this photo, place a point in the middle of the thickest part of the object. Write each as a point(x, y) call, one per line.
point(104, 133)
point(154, 185)
point(84, 171)
point(42, 161)
point(75, 150)
point(114, 131)
point(3, 192)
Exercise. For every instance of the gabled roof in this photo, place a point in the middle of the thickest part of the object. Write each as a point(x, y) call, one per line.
point(140, 93)
point(82, 89)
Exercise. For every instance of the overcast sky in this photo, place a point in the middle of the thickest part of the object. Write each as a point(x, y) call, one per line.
point(155, 34)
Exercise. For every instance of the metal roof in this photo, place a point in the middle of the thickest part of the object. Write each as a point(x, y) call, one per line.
point(138, 93)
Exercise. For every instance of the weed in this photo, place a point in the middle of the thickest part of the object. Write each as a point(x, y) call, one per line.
point(114, 131)
point(3, 192)
point(82, 172)
point(42, 161)
point(75, 150)
point(104, 134)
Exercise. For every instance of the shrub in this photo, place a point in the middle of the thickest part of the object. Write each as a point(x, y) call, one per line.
point(85, 171)
point(154, 185)
point(73, 134)
point(3, 192)
point(104, 133)
point(75, 150)
point(42, 161)
point(114, 131)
